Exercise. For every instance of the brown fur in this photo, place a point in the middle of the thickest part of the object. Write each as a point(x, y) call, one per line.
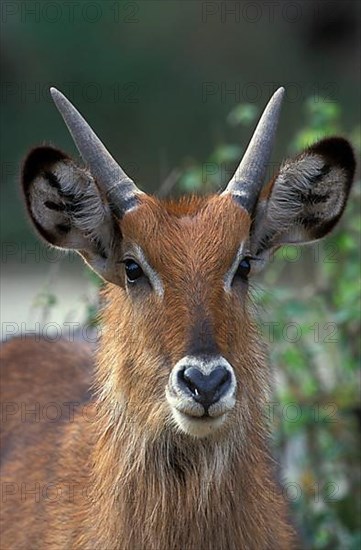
point(140, 483)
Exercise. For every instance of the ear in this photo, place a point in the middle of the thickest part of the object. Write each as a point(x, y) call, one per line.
point(68, 210)
point(306, 198)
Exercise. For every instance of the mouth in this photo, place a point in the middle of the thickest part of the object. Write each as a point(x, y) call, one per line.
point(197, 426)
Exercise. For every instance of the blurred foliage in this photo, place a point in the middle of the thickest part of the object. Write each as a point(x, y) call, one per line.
point(314, 347)
point(314, 338)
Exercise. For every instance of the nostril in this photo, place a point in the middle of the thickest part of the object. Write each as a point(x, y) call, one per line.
point(193, 379)
point(188, 379)
point(225, 378)
point(190, 383)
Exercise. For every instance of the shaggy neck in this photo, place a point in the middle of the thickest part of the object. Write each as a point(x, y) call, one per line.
point(176, 492)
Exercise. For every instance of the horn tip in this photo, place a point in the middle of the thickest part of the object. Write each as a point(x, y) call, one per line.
point(280, 92)
point(56, 95)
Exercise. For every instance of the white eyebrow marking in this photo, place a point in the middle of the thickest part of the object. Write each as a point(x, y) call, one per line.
point(229, 276)
point(152, 275)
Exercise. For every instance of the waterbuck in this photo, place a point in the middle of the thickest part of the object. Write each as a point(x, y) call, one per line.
point(169, 449)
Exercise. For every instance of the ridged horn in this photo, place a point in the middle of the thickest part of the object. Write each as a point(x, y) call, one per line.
point(119, 188)
point(248, 179)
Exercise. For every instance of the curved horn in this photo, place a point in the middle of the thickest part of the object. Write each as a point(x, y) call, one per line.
point(120, 190)
point(247, 180)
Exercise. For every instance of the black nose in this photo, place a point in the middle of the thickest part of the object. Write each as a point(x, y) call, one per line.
point(206, 389)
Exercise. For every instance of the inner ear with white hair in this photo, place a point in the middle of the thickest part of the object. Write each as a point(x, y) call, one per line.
point(68, 210)
point(305, 200)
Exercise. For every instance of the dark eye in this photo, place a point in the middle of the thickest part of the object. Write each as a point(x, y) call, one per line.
point(244, 268)
point(133, 271)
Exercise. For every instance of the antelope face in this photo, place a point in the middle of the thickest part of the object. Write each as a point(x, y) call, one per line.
point(186, 274)
point(180, 350)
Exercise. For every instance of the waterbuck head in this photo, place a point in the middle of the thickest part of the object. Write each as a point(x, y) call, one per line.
point(180, 350)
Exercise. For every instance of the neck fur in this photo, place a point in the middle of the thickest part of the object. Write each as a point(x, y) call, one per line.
point(173, 491)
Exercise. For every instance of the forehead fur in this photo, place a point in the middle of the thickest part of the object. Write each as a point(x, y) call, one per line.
point(206, 230)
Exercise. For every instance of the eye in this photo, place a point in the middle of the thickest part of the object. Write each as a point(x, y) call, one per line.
point(243, 269)
point(133, 271)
